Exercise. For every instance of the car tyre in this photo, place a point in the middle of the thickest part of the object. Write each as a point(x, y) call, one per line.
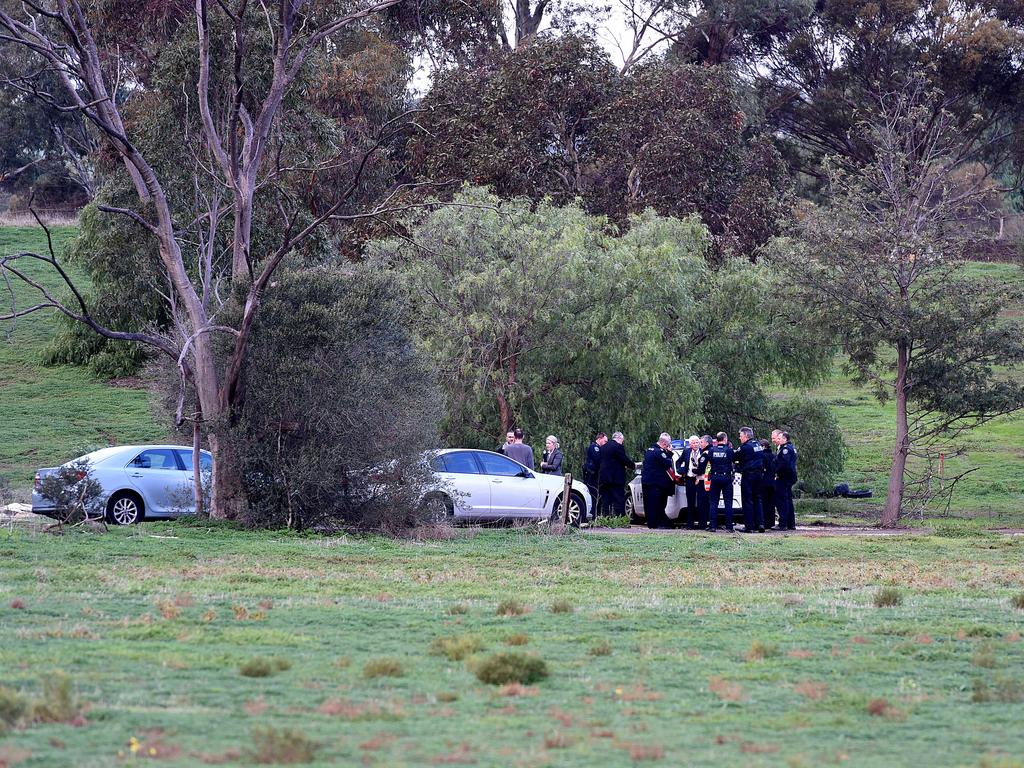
point(634, 519)
point(124, 508)
point(577, 509)
point(437, 507)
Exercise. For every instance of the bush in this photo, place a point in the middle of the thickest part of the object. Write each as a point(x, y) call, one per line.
point(286, 746)
point(510, 667)
point(511, 607)
point(259, 666)
point(13, 707)
point(519, 638)
point(459, 609)
point(74, 491)
point(383, 667)
point(984, 657)
point(457, 647)
point(58, 704)
point(887, 597)
point(603, 648)
point(562, 606)
point(1007, 690)
point(1017, 601)
point(759, 651)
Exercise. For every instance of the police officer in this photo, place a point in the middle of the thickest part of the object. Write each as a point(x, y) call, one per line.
point(656, 481)
point(703, 494)
point(750, 462)
point(591, 466)
point(768, 485)
point(720, 462)
point(611, 476)
point(785, 478)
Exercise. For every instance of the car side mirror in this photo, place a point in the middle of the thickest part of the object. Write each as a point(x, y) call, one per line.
point(525, 473)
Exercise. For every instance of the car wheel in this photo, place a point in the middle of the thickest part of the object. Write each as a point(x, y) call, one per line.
point(437, 507)
point(577, 509)
point(631, 508)
point(124, 508)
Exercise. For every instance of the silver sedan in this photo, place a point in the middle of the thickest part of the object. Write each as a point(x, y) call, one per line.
point(138, 481)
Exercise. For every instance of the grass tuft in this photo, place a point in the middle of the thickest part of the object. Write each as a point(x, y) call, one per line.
point(519, 638)
point(888, 597)
point(510, 606)
point(459, 609)
point(258, 666)
point(562, 606)
point(58, 703)
point(385, 666)
point(13, 707)
point(1007, 690)
point(1017, 601)
point(601, 648)
point(456, 647)
point(882, 708)
point(985, 656)
point(285, 746)
point(510, 667)
point(759, 651)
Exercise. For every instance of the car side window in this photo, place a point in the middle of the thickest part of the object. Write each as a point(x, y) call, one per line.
point(499, 465)
point(462, 462)
point(155, 458)
point(437, 464)
point(205, 461)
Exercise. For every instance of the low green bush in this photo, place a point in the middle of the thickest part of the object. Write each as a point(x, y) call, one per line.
point(510, 667)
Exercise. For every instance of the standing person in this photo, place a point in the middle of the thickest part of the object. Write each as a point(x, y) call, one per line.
point(768, 485)
point(785, 478)
point(750, 460)
point(551, 460)
point(591, 466)
point(656, 481)
point(686, 466)
point(518, 451)
point(612, 476)
point(510, 438)
point(721, 459)
point(703, 492)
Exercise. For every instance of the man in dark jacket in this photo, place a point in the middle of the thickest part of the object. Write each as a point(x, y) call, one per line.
point(612, 476)
point(750, 462)
point(785, 479)
point(720, 460)
point(657, 482)
point(768, 485)
point(592, 465)
point(686, 468)
point(703, 492)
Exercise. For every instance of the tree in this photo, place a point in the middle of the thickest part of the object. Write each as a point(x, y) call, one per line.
point(239, 162)
point(882, 268)
point(550, 319)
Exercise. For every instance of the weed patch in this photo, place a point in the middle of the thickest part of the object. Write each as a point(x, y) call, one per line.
point(285, 746)
point(562, 606)
point(985, 656)
point(882, 708)
point(888, 597)
point(456, 647)
point(600, 648)
point(13, 707)
point(383, 667)
point(1007, 690)
point(814, 690)
point(511, 607)
point(259, 666)
point(58, 703)
point(510, 667)
point(518, 638)
point(1017, 601)
point(759, 651)
point(727, 690)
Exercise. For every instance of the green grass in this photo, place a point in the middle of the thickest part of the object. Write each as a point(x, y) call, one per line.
point(50, 415)
point(713, 650)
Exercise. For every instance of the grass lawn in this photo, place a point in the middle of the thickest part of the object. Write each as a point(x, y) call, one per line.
point(677, 650)
point(50, 415)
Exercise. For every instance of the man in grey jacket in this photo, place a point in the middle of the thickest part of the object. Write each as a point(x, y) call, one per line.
point(520, 452)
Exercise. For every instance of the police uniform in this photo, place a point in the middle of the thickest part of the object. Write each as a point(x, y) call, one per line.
point(703, 494)
point(750, 461)
point(656, 484)
point(591, 465)
point(720, 460)
point(785, 478)
point(768, 488)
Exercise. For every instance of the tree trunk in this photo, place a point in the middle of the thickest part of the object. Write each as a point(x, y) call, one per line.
point(197, 469)
point(894, 497)
point(228, 496)
point(505, 413)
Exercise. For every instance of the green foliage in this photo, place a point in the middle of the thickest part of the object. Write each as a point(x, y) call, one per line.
point(887, 597)
point(281, 746)
point(334, 387)
point(13, 707)
point(600, 648)
point(57, 704)
point(74, 491)
point(813, 427)
point(259, 666)
point(510, 667)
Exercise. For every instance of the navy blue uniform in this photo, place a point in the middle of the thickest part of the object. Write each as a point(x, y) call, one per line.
point(591, 465)
point(785, 478)
point(750, 461)
point(720, 460)
point(768, 488)
point(612, 478)
point(703, 495)
point(656, 485)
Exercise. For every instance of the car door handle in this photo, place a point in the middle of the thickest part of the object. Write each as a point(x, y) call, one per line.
point(136, 474)
point(496, 481)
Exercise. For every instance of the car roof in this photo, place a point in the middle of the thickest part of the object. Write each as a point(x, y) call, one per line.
point(116, 450)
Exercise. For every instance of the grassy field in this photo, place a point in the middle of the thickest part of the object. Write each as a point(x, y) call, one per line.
point(50, 415)
point(673, 650)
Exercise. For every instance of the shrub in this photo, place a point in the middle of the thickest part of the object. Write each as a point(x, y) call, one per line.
point(456, 647)
point(510, 667)
point(602, 648)
point(286, 746)
point(259, 666)
point(511, 607)
point(759, 651)
point(58, 704)
point(74, 491)
point(882, 708)
point(458, 609)
point(1017, 601)
point(562, 606)
point(984, 657)
point(13, 707)
point(887, 597)
point(1007, 690)
point(519, 638)
point(383, 667)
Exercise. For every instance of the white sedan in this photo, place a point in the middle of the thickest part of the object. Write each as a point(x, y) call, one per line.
point(486, 485)
point(151, 481)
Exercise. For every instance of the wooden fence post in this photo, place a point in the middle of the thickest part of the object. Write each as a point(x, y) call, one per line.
point(566, 492)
